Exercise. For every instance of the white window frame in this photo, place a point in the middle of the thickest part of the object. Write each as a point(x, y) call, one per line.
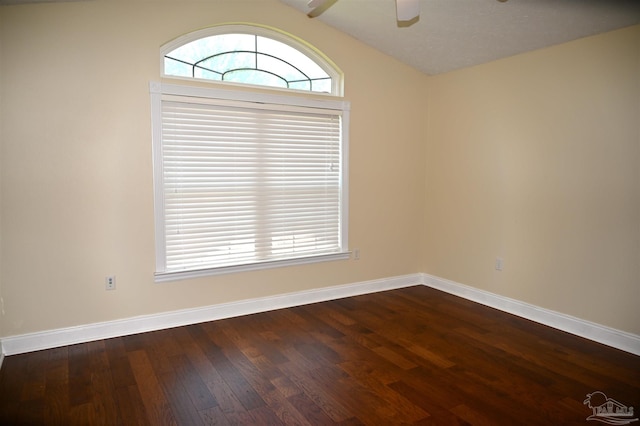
point(337, 78)
point(158, 90)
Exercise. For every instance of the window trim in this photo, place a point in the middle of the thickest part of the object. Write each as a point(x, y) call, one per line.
point(157, 91)
point(337, 77)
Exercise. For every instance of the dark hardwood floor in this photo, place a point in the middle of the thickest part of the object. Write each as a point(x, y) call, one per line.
point(408, 356)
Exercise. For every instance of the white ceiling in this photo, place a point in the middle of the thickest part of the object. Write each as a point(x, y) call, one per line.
point(453, 34)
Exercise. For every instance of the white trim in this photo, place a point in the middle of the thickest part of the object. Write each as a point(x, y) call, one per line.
point(622, 340)
point(183, 275)
point(1, 355)
point(67, 336)
point(344, 176)
point(14, 345)
point(155, 89)
point(333, 103)
point(159, 91)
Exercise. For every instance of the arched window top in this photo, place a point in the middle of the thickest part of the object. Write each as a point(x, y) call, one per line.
point(253, 55)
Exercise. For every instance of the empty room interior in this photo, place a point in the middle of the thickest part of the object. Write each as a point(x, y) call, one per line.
point(483, 262)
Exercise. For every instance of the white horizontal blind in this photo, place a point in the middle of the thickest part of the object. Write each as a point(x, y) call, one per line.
point(247, 183)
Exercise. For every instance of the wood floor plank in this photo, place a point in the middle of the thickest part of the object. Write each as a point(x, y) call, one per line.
point(104, 402)
point(214, 416)
point(56, 394)
point(80, 391)
point(129, 403)
point(310, 410)
point(192, 382)
point(407, 412)
point(425, 400)
point(121, 372)
point(409, 356)
point(155, 404)
point(312, 389)
point(219, 352)
point(248, 333)
point(230, 406)
point(178, 398)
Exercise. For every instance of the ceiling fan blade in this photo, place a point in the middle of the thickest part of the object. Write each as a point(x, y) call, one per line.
point(319, 6)
point(407, 10)
point(315, 3)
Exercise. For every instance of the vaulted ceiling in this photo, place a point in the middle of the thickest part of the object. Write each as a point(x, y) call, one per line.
point(453, 34)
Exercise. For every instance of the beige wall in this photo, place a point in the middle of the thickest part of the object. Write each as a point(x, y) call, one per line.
point(536, 159)
point(77, 200)
point(533, 158)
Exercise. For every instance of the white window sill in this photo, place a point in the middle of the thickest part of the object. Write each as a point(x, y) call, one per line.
point(183, 275)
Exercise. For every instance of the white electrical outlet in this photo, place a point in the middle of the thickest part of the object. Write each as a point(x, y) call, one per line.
point(110, 282)
point(356, 254)
point(499, 263)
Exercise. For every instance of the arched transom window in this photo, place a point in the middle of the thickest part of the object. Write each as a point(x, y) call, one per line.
point(250, 55)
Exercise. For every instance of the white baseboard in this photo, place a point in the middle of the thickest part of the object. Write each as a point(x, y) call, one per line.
point(67, 336)
point(599, 333)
